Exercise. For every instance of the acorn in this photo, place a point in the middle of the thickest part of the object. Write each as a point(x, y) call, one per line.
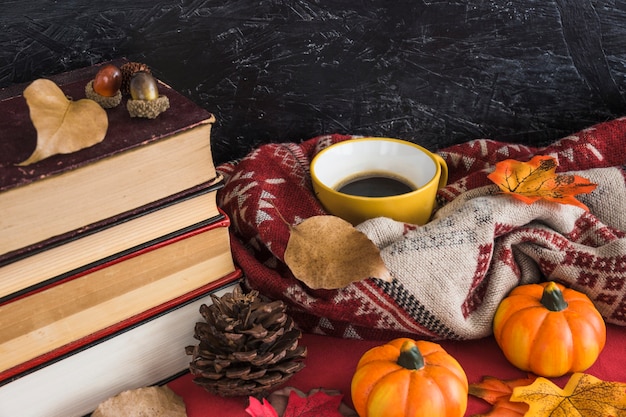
point(108, 81)
point(104, 89)
point(128, 70)
point(143, 86)
point(145, 100)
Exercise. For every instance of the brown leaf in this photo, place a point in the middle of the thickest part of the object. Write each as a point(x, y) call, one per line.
point(537, 179)
point(583, 395)
point(63, 125)
point(328, 252)
point(153, 401)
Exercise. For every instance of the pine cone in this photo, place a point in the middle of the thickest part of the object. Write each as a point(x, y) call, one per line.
point(248, 345)
point(128, 69)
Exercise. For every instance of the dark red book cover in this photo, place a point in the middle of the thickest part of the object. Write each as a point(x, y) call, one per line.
point(18, 136)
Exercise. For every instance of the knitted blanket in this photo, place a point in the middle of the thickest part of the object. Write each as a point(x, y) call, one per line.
point(450, 274)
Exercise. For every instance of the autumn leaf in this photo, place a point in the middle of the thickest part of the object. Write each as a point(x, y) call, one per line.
point(498, 392)
point(328, 252)
point(491, 389)
point(63, 125)
point(319, 404)
point(583, 395)
point(537, 179)
point(257, 408)
point(144, 401)
point(291, 402)
point(505, 408)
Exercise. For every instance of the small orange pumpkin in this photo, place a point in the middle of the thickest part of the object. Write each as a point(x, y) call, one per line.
point(549, 329)
point(408, 378)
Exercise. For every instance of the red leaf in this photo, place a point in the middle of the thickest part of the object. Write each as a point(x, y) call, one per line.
point(319, 404)
point(258, 409)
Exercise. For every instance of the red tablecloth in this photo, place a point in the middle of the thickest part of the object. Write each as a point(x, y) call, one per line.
point(331, 361)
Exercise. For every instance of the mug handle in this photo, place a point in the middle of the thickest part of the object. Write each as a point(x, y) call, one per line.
point(443, 179)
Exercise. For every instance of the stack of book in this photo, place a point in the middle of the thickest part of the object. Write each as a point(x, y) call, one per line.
point(106, 253)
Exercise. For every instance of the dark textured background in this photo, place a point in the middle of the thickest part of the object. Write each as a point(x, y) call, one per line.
point(434, 72)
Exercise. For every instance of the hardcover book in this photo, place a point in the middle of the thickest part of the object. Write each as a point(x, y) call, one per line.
point(139, 161)
point(45, 321)
point(147, 349)
point(67, 255)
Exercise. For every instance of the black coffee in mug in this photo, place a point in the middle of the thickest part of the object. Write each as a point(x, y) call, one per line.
point(375, 184)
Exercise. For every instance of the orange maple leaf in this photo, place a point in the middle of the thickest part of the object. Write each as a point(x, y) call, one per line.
point(498, 392)
point(537, 180)
point(583, 395)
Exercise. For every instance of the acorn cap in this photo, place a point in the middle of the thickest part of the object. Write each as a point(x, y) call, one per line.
point(148, 109)
point(103, 101)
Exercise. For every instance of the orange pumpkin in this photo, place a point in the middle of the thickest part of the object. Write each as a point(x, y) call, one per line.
point(408, 378)
point(549, 329)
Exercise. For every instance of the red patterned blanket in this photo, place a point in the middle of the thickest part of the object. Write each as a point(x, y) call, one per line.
point(450, 274)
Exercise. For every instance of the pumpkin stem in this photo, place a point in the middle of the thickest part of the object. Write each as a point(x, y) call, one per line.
point(410, 357)
point(552, 298)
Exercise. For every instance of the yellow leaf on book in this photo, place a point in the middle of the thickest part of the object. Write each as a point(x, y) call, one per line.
point(63, 125)
point(537, 179)
point(583, 395)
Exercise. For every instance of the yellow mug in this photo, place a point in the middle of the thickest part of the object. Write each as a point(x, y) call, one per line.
point(360, 179)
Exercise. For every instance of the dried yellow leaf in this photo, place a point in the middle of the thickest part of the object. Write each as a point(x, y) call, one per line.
point(328, 252)
point(63, 125)
point(583, 395)
point(154, 401)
